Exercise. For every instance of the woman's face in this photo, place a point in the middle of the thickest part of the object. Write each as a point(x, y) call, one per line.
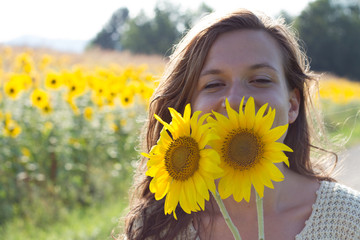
point(245, 63)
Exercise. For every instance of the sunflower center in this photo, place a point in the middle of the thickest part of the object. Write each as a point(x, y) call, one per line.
point(242, 149)
point(182, 158)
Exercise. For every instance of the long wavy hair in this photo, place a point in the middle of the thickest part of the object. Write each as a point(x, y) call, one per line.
point(146, 216)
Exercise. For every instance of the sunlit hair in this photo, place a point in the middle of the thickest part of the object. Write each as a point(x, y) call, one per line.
point(176, 90)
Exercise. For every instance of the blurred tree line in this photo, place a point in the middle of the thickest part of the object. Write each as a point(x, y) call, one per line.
point(144, 34)
point(329, 30)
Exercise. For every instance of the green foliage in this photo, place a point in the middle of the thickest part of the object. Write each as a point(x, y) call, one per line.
point(331, 32)
point(109, 37)
point(342, 122)
point(149, 35)
point(96, 222)
point(62, 161)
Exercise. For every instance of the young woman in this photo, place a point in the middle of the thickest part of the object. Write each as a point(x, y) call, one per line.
point(237, 55)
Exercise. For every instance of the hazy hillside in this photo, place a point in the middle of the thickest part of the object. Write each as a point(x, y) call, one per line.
point(66, 45)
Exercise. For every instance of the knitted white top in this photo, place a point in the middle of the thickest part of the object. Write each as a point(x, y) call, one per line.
point(335, 215)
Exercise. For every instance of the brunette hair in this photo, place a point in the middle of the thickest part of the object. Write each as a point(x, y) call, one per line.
point(146, 216)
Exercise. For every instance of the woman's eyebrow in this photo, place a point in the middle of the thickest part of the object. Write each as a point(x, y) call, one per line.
point(252, 67)
point(211, 72)
point(263, 65)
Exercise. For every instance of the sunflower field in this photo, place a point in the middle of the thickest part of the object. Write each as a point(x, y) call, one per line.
point(340, 106)
point(69, 130)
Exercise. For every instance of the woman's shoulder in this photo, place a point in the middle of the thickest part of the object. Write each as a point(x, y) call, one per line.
point(336, 199)
point(337, 193)
point(335, 214)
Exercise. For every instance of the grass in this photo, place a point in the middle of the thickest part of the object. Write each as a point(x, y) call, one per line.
point(342, 122)
point(95, 222)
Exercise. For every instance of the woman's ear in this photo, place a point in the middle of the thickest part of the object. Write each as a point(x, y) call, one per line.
point(294, 102)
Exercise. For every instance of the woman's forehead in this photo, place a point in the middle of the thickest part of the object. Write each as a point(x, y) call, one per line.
point(244, 48)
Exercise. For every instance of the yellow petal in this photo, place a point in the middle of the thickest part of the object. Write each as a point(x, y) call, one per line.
point(232, 114)
point(201, 201)
point(259, 187)
point(206, 138)
point(194, 124)
point(242, 119)
point(201, 187)
point(152, 185)
point(226, 185)
point(246, 187)
point(179, 124)
point(151, 172)
point(166, 125)
point(190, 190)
point(275, 133)
point(276, 146)
point(274, 173)
point(165, 138)
point(238, 190)
point(187, 111)
point(184, 202)
point(210, 156)
point(250, 113)
point(267, 122)
point(172, 198)
point(211, 120)
point(276, 157)
point(264, 177)
point(209, 180)
point(222, 122)
point(210, 167)
point(259, 117)
point(162, 190)
point(155, 161)
point(145, 155)
point(203, 117)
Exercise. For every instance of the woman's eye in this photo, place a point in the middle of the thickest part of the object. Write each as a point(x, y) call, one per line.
point(261, 80)
point(214, 85)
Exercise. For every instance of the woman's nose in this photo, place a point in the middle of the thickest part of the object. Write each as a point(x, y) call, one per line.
point(235, 95)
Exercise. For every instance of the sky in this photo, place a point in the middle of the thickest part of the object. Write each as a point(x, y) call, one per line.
point(83, 19)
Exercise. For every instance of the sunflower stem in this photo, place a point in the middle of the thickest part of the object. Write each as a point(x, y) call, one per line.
point(226, 216)
point(260, 216)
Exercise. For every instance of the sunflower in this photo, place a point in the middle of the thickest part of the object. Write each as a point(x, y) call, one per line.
point(53, 81)
point(11, 128)
point(145, 92)
point(24, 63)
point(127, 98)
point(47, 109)
point(75, 84)
point(181, 167)
point(40, 98)
point(88, 113)
point(45, 61)
point(72, 103)
point(248, 150)
point(13, 89)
